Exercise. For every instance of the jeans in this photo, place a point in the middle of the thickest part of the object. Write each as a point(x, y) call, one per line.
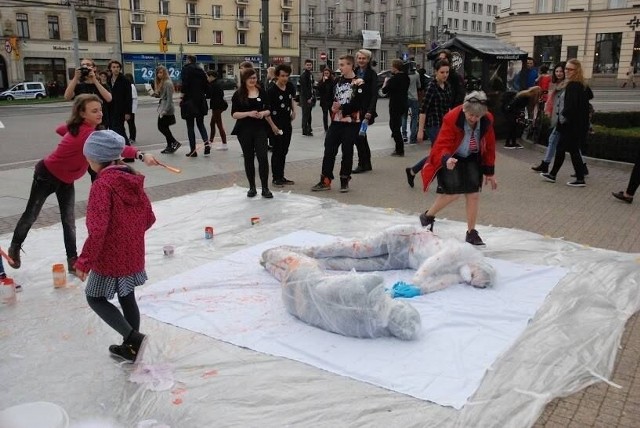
point(280, 149)
point(551, 147)
point(191, 132)
point(414, 108)
point(254, 145)
point(344, 134)
point(44, 184)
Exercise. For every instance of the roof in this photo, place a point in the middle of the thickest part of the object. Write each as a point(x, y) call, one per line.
point(488, 46)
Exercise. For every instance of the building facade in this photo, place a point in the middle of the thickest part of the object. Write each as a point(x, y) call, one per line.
point(38, 38)
point(407, 28)
point(220, 34)
point(603, 34)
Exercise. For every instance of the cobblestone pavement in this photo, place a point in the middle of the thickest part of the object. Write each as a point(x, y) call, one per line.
point(587, 215)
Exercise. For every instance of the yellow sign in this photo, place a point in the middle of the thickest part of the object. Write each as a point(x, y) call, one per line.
point(13, 41)
point(162, 26)
point(163, 44)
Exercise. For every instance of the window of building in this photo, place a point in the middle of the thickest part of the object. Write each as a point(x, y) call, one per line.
point(217, 37)
point(216, 11)
point(366, 23)
point(493, 27)
point(383, 60)
point(135, 5)
point(83, 29)
point(241, 12)
point(46, 69)
point(546, 49)
point(167, 34)
point(163, 7)
point(331, 57)
point(559, 5)
point(22, 22)
point(331, 16)
point(636, 51)
point(495, 10)
point(465, 25)
point(607, 53)
point(350, 52)
point(572, 52)
point(54, 27)
point(480, 9)
point(465, 7)
point(456, 6)
point(192, 8)
point(349, 22)
point(313, 55)
point(192, 35)
point(286, 40)
point(101, 30)
point(398, 2)
point(136, 33)
point(383, 23)
point(312, 20)
point(542, 6)
point(242, 38)
point(412, 26)
point(488, 29)
point(285, 16)
point(449, 4)
point(617, 4)
point(488, 10)
point(474, 8)
point(449, 23)
point(473, 25)
point(456, 24)
point(398, 25)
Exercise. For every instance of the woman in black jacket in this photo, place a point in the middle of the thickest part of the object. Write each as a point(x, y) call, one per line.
point(369, 90)
point(325, 94)
point(573, 124)
point(217, 104)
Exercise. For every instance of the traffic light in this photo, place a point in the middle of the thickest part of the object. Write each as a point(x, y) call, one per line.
point(163, 44)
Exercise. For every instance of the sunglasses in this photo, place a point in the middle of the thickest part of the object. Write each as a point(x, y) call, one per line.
point(477, 101)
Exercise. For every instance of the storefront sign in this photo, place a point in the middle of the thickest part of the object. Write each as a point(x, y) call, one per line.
point(509, 57)
point(149, 57)
point(634, 23)
point(146, 72)
point(255, 59)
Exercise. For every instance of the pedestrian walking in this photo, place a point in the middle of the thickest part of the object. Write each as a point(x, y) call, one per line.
point(121, 101)
point(634, 181)
point(112, 258)
point(193, 105)
point(166, 110)
point(131, 122)
point(397, 87)
point(464, 152)
point(217, 104)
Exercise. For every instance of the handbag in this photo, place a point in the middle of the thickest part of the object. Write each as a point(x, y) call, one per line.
point(225, 105)
point(167, 119)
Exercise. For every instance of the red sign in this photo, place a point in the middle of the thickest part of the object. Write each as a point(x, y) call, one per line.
point(323, 56)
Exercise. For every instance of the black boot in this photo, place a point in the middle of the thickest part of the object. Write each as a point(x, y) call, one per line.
point(543, 167)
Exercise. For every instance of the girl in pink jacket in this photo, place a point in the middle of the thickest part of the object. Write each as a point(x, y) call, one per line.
point(118, 215)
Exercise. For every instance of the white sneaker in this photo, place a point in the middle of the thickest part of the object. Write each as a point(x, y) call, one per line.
point(222, 147)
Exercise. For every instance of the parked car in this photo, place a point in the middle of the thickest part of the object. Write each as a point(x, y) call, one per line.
point(25, 90)
point(227, 83)
point(295, 79)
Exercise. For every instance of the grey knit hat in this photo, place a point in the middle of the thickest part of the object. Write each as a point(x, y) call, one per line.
point(103, 146)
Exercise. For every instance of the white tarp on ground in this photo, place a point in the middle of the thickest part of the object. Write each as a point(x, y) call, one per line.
point(464, 329)
point(53, 348)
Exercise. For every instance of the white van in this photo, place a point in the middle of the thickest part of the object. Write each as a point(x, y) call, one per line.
point(26, 90)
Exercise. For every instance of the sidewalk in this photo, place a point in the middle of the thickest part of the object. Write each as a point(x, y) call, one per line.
point(588, 216)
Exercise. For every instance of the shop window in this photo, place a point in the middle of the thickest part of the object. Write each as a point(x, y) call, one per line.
point(607, 53)
point(546, 49)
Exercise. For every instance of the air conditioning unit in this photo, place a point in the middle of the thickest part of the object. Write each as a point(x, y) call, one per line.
point(287, 27)
point(137, 18)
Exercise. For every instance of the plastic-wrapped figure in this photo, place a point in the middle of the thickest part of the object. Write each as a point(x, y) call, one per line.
point(353, 304)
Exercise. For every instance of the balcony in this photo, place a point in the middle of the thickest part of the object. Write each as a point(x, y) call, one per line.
point(193, 21)
point(287, 4)
point(242, 24)
point(137, 18)
point(287, 27)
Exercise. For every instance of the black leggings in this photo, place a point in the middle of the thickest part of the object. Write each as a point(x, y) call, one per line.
point(123, 324)
point(254, 145)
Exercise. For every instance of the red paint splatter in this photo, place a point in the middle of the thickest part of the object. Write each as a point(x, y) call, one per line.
point(209, 373)
point(177, 401)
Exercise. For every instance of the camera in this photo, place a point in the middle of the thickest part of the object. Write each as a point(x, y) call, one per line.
point(84, 72)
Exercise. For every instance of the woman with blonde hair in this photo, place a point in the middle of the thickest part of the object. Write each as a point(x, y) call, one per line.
point(464, 152)
point(573, 123)
point(166, 111)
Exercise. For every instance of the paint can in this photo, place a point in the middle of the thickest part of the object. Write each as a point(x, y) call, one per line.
point(7, 291)
point(168, 250)
point(208, 232)
point(59, 275)
point(255, 221)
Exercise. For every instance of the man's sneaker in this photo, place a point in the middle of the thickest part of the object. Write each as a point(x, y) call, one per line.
point(193, 154)
point(278, 183)
point(323, 184)
point(14, 255)
point(405, 139)
point(344, 185)
point(548, 177)
point(222, 147)
point(207, 150)
point(71, 261)
point(473, 238)
point(577, 183)
point(288, 182)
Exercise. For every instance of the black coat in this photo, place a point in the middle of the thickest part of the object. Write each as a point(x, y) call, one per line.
point(325, 92)
point(370, 92)
point(398, 89)
point(306, 86)
point(120, 99)
point(215, 93)
point(576, 111)
point(194, 92)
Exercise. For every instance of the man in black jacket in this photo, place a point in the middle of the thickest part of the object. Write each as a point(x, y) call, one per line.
point(306, 97)
point(370, 97)
point(121, 100)
point(193, 106)
point(397, 87)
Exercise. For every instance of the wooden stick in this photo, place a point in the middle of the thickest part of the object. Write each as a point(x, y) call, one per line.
point(6, 256)
point(170, 168)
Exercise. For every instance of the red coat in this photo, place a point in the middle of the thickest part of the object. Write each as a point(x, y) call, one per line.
point(449, 139)
point(118, 215)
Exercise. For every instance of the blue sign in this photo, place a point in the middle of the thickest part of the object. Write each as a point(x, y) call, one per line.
point(144, 72)
point(255, 58)
point(159, 57)
point(405, 56)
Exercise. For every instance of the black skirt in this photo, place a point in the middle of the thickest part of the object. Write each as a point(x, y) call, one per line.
point(466, 177)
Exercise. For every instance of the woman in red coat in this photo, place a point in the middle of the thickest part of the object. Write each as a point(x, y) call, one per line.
point(464, 151)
